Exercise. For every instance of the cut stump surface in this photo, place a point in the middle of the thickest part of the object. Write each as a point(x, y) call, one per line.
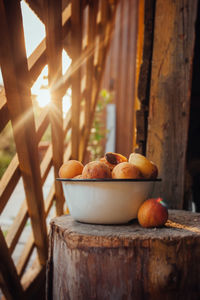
point(89, 261)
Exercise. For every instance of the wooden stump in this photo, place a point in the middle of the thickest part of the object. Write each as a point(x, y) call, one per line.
point(125, 261)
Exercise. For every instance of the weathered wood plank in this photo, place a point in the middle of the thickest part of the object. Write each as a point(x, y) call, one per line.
point(53, 22)
point(8, 271)
point(17, 87)
point(174, 36)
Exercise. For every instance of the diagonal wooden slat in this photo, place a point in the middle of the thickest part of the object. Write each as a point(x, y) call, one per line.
point(36, 6)
point(17, 86)
point(46, 164)
point(4, 114)
point(49, 200)
point(20, 220)
point(37, 60)
point(15, 230)
point(25, 255)
point(8, 272)
point(8, 181)
point(29, 245)
point(67, 123)
point(42, 124)
point(12, 174)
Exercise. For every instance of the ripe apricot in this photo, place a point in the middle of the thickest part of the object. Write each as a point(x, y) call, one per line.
point(96, 169)
point(70, 169)
point(126, 170)
point(146, 167)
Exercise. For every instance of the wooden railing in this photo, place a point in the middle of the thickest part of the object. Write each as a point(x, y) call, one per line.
point(83, 28)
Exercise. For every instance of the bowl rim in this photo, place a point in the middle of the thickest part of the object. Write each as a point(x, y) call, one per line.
point(108, 180)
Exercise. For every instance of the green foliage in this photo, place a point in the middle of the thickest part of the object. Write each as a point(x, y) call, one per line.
point(98, 132)
point(5, 233)
point(7, 148)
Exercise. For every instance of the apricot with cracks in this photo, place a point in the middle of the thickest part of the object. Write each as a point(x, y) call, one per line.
point(112, 159)
point(125, 170)
point(96, 170)
point(152, 213)
point(71, 169)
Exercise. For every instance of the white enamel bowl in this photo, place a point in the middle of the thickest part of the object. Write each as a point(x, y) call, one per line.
point(111, 201)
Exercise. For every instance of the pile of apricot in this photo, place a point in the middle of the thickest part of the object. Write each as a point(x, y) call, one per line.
point(112, 165)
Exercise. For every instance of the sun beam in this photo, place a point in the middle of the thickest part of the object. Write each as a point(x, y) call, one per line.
point(43, 98)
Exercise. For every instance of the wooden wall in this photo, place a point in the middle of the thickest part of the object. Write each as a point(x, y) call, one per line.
point(120, 72)
point(170, 89)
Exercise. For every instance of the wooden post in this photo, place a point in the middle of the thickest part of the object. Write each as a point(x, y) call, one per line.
point(53, 18)
point(76, 31)
point(19, 102)
point(144, 61)
point(174, 37)
point(91, 31)
point(90, 261)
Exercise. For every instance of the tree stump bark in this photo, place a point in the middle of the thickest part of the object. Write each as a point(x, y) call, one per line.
point(125, 261)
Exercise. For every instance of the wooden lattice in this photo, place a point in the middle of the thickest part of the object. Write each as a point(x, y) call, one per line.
point(83, 28)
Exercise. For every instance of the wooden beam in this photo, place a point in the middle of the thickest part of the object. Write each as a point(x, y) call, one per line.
point(17, 87)
point(91, 32)
point(76, 30)
point(53, 22)
point(129, 116)
point(174, 37)
point(143, 76)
